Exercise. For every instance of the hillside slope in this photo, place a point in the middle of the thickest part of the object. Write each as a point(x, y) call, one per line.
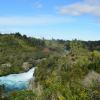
point(18, 52)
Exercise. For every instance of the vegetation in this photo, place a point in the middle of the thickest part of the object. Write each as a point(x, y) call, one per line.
point(63, 77)
point(16, 49)
point(70, 70)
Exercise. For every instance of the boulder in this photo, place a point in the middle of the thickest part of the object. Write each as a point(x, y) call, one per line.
point(26, 66)
point(91, 79)
point(6, 65)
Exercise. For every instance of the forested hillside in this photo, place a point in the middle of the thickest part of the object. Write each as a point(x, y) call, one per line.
point(73, 76)
point(65, 70)
point(18, 52)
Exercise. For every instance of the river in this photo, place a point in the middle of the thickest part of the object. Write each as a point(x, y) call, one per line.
point(17, 81)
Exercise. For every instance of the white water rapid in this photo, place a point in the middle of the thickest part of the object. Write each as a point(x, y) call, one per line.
point(17, 81)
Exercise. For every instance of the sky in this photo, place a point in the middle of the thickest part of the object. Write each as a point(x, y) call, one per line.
point(59, 19)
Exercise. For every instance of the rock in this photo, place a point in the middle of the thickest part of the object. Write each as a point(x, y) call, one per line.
point(4, 68)
point(26, 66)
point(91, 79)
point(6, 65)
point(35, 87)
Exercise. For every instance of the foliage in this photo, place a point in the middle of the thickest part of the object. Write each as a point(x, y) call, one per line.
point(61, 67)
point(16, 49)
point(61, 76)
point(22, 95)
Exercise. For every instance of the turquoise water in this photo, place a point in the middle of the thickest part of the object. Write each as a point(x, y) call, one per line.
point(17, 81)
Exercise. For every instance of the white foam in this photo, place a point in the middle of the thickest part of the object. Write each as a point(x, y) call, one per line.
point(17, 80)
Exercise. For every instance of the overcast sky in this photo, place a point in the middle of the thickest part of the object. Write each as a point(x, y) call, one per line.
point(63, 19)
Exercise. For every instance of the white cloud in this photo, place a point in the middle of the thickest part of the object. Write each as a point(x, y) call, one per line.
point(92, 2)
point(37, 4)
point(38, 20)
point(84, 7)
